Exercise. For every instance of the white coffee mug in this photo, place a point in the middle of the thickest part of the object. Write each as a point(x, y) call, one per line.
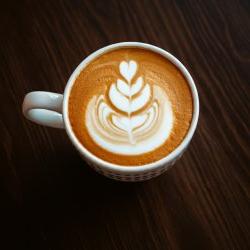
point(51, 109)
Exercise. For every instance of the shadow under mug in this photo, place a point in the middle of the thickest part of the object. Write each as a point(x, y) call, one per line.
point(51, 109)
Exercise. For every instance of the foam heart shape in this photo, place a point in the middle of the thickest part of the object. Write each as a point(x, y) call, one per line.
point(128, 69)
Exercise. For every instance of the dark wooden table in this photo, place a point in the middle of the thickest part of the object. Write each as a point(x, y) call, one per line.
point(52, 200)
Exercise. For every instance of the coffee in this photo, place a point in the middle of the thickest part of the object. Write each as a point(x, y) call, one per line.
point(130, 106)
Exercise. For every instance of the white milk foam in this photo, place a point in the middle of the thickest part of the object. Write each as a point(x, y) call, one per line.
point(139, 120)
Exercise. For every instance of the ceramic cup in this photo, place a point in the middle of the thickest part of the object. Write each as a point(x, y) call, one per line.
point(51, 109)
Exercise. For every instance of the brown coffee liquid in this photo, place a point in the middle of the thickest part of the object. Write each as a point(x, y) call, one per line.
point(96, 78)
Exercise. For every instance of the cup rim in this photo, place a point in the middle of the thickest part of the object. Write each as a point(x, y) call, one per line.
point(131, 168)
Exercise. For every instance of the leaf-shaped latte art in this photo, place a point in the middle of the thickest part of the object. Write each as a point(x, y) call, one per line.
point(140, 101)
point(126, 103)
point(123, 87)
point(137, 86)
point(120, 101)
point(125, 122)
point(139, 120)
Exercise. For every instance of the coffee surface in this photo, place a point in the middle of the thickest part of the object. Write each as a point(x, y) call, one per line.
point(130, 106)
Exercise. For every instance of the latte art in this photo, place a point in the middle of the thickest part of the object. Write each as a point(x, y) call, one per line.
point(130, 106)
point(132, 117)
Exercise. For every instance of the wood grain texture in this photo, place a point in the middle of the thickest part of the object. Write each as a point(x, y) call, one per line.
point(50, 199)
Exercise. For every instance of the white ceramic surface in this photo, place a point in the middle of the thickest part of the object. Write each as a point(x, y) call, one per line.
point(51, 109)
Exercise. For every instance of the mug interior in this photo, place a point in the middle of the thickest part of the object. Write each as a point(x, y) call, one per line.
point(136, 168)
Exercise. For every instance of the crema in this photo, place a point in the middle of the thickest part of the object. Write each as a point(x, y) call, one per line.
point(130, 106)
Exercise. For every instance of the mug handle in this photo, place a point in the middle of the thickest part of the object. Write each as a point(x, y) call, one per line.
point(44, 108)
